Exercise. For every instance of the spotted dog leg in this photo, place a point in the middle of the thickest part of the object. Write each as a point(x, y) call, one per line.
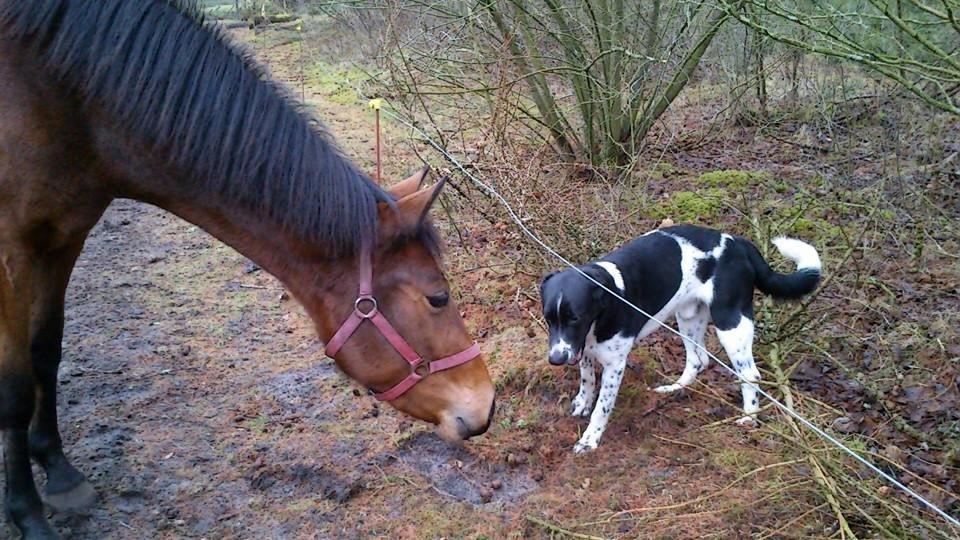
point(692, 324)
point(738, 342)
point(583, 403)
point(612, 355)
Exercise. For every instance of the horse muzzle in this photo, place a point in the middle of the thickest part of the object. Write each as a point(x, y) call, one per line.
point(456, 426)
point(466, 431)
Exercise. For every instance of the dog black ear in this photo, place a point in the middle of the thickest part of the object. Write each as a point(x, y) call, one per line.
point(546, 278)
point(600, 296)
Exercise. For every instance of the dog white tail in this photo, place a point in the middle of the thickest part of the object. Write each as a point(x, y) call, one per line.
point(800, 252)
point(787, 286)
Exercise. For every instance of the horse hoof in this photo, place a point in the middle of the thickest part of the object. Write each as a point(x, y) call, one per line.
point(46, 533)
point(34, 527)
point(81, 497)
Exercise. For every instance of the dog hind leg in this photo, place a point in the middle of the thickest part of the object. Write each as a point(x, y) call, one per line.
point(738, 343)
point(692, 325)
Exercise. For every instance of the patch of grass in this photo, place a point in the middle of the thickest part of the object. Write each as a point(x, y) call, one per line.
point(301, 506)
point(629, 392)
point(733, 459)
point(336, 82)
point(449, 521)
point(526, 377)
point(532, 419)
point(259, 423)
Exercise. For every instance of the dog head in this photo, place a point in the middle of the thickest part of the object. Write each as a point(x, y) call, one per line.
point(571, 304)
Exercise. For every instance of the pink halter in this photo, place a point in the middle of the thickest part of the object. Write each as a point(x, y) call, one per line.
point(418, 368)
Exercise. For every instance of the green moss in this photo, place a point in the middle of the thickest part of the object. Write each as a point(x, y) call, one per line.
point(733, 179)
point(803, 227)
point(804, 218)
point(812, 228)
point(692, 206)
point(660, 170)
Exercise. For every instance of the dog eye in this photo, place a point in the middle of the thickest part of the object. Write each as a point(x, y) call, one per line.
point(439, 300)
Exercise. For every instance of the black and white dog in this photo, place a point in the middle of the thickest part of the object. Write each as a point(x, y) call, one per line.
point(698, 274)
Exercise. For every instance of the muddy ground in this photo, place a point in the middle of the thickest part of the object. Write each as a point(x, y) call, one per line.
point(197, 399)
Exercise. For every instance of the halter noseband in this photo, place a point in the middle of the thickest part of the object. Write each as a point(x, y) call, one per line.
point(418, 368)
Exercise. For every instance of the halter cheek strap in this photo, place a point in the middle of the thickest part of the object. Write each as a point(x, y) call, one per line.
point(366, 308)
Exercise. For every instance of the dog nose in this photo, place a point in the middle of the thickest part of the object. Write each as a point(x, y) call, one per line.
point(559, 358)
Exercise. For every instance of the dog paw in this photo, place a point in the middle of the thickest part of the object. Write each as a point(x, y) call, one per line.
point(580, 407)
point(668, 388)
point(748, 422)
point(582, 447)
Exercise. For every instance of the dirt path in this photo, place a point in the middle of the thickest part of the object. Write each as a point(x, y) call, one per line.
point(200, 405)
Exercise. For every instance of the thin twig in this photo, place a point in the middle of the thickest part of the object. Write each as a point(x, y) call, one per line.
point(553, 528)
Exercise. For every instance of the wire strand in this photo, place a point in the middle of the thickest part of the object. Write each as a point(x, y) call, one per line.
point(813, 427)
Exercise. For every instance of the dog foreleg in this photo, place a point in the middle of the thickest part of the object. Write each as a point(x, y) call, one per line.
point(583, 403)
point(612, 355)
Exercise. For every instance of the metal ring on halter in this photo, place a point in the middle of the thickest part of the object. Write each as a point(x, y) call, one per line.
point(368, 314)
point(422, 369)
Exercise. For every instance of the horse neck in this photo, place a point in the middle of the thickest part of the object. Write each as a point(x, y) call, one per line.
point(317, 278)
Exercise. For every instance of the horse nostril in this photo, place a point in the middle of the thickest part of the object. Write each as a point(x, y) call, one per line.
point(462, 428)
point(466, 432)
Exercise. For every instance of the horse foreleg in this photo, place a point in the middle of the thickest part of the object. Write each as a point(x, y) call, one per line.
point(17, 393)
point(67, 489)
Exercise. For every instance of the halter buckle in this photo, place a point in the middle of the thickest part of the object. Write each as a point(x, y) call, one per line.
point(365, 314)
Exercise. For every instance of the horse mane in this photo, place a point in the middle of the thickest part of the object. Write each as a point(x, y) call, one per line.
point(192, 97)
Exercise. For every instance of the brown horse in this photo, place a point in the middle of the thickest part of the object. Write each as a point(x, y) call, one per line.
point(104, 99)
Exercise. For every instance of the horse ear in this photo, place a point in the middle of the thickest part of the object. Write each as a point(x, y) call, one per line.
point(413, 208)
point(409, 186)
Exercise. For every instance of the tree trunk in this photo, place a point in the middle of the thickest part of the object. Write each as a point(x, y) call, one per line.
point(759, 73)
point(795, 56)
point(680, 79)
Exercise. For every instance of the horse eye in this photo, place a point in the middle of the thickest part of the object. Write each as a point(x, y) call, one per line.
point(439, 300)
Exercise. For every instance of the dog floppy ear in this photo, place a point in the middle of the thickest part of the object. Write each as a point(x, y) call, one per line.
point(546, 278)
point(600, 296)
